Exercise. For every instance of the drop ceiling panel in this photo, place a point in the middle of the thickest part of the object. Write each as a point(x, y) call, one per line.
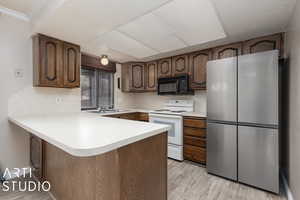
point(194, 21)
point(168, 43)
point(124, 44)
point(151, 31)
point(84, 21)
point(156, 27)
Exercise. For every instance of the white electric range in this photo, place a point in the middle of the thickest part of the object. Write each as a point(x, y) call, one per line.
point(171, 115)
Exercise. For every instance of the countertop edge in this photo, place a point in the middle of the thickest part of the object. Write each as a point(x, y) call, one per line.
point(128, 111)
point(84, 152)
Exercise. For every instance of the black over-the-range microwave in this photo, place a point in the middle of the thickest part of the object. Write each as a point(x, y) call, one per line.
point(178, 85)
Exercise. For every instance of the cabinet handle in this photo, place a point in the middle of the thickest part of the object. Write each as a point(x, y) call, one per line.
point(202, 83)
point(33, 165)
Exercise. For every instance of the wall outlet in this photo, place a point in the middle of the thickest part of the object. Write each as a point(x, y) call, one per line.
point(19, 73)
point(58, 100)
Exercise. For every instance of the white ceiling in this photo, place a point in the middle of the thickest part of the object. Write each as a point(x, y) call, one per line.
point(20, 6)
point(247, 17)
point(25, 6)
point(129, 30)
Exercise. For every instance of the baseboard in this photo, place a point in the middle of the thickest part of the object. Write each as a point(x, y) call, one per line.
point(14, 171)
point(287, 190)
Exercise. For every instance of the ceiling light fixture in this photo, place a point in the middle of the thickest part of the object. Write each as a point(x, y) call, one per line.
point(104, 60)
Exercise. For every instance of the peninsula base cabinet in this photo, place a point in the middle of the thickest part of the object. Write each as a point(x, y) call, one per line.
point(36, 156)
point(134, 171)
point(55, 63)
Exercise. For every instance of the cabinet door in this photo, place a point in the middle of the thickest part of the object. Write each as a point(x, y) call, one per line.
point(227, 51)
point(164, 68)
point(180, 65)
point(151, 76)
point(137, 77)
point(71, 65)
point(197, 68)
point(266, 43)
point(36, 156)
point(51, 65)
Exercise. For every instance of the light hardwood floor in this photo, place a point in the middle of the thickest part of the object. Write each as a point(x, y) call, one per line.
point(186, 181)
point(189, 181)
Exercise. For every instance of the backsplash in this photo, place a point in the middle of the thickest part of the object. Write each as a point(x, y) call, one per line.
point(151, 100)
point(34, 100)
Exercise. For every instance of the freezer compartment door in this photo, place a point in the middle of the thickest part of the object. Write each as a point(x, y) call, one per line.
point(258, 88)
point(222, 150)
point(222, 89)
point(258, 159)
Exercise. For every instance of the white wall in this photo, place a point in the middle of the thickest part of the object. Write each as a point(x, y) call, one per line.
point(17, 96)
point(151, 100)
point(293, 109)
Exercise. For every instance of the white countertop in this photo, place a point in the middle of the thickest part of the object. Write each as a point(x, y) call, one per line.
point(124, 111)
point(87, 134)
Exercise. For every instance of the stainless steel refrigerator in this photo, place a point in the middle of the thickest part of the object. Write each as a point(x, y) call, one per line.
point(243, 119)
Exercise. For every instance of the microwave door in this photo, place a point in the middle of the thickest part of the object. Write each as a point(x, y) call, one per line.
point(168, 87)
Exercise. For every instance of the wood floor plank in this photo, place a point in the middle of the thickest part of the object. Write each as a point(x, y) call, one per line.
point(186, 181)
point(190, 181)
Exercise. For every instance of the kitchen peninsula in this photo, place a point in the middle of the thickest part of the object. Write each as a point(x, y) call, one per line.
point(86, 156)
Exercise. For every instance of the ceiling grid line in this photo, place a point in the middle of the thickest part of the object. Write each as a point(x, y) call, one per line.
point(127, 35)
point(14, 13)
point(131, 20)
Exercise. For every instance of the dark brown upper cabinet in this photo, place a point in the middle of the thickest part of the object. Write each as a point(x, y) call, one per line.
point(164, 68)
point(48, 61)
point(151, 76)
point(266, 43)
point(227, 51)
point(71, 63)
point(55, 63)
point(137, 76)
point(192, 63)
point(197, 68)
point(180, 65)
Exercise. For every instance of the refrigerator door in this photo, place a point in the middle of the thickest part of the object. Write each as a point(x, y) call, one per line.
point(222, 89)
point(258, 88)
point(222, 150)
point(258, 157)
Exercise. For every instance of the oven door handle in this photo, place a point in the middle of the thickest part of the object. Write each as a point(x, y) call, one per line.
point(165, 116)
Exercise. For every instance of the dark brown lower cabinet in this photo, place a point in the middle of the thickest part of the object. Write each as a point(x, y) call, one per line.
point(138, 116)
point(36, 156)
point(194, 153)
point(194, 139)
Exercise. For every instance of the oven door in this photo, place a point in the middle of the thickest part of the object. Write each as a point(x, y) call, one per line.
point(175, 134)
